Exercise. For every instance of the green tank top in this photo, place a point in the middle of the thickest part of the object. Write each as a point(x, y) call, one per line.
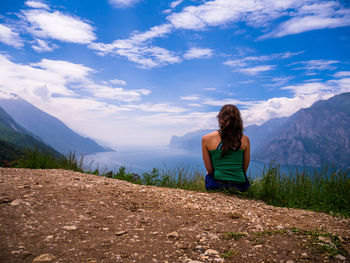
point(229, 167)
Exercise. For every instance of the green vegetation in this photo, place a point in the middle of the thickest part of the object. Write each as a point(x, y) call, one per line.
point(229, 254)
point(233, 235)
point(38, 159)
point(322, 191)
point(322, 242)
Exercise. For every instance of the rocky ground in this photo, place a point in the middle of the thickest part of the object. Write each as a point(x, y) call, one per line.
point(64, 216)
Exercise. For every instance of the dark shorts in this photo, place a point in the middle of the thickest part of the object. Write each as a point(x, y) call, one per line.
point(212, 184)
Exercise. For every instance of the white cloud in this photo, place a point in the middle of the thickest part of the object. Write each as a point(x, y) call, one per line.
point(37, 4)
point(118, 82)
point(59, 26)
point(319, 64)
point(256, 70)
point(196, 52)
point(301, 16)
point(158, 107)
point(137, 49)
point(122, 3)
point(245, 65)
point(262, 111)
point(119, 94)
point(47, 79)
point(342, 74)
point(312, 17)
point(191, 97)
point(174, 4)
point(8, 37)
point(250, 59)
point(221, 102)
point(57, 87)
point(43, 46)
point(308, 88)
point(66, 70)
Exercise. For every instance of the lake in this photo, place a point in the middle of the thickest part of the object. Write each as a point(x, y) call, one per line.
point(139, 160)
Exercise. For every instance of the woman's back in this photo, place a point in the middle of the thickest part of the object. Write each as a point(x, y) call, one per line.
point(230, 166)
point(226, 152)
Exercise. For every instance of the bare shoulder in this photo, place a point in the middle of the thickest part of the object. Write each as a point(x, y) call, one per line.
point(245, 138)
point(211, 135)
point(245, 141)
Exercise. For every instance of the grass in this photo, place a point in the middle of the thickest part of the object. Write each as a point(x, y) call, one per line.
point(324, 190)
point(233, 235)
point(37, 159)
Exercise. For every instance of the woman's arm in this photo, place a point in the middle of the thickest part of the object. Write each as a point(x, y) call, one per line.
point(206, 156)
point(246, 155)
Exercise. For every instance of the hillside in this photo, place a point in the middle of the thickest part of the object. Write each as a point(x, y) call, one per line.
point(64, 216)
point(313, 136)
point(14, 139)
point(50, 129)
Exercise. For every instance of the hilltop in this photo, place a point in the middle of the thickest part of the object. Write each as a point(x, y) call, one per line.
point(65, 216)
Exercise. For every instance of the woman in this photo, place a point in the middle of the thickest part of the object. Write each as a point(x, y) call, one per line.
point(226, 152)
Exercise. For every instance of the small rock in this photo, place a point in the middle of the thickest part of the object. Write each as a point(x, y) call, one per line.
point(304, 254)
point(258, 246)
point(105, 228)
point(340, 257)
point(44, 258)
point(172, 235)
point(16, 202)
point(70, 228)
point(4, 199)
point(290, 261)
point(120, 233)
point(219, 260)
point(325, 239)
point(211, 252)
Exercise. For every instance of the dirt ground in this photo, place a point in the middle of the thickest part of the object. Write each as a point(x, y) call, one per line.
point(64, 216)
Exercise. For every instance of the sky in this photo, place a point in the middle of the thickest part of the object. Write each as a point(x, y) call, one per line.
point(136, 72)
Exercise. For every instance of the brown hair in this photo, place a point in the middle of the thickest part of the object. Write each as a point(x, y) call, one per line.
point(230, 128)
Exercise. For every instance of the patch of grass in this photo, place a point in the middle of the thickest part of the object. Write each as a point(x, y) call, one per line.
point(38, 159)
point(233, 235)
point(324, 190)
point(322, 242)
point(229, 253)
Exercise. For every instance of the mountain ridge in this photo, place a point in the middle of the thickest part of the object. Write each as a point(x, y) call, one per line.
point(15, 140)
point(49, 128)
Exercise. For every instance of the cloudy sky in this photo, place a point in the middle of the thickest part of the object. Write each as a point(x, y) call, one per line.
point(139, 71)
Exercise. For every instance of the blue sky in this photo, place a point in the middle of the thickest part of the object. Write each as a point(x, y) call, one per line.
point(136, 72)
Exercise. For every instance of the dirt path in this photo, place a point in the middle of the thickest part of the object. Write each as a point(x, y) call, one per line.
point(63, 216)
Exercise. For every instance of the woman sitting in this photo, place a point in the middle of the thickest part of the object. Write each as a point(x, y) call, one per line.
point(226, 153)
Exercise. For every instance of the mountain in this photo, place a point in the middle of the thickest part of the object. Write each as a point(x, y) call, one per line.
point(257, 134)
point(314, 136)
point(14, 139)
point(50, 129)
point(191, 142)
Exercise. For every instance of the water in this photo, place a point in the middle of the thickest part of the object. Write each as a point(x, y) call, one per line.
point(139, 160)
